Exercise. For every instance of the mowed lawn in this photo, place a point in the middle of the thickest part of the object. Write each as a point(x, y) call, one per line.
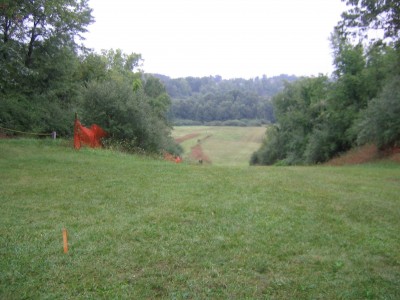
point(141, 228)
point(225, 146)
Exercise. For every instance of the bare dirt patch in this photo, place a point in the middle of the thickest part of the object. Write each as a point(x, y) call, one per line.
point(365, 154)
point(356, 156)
point(393, 154)
point(197, 154)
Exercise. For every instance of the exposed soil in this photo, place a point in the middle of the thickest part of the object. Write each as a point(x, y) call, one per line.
point(365, 154)
point(198, 154)
point(393, 154)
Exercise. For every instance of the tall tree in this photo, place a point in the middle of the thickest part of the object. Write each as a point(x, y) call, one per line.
point(380, 122)
point(366, 15)
point(39, 42)
point(32, 22)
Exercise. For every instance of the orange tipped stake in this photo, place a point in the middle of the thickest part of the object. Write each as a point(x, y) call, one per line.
point(65, 239)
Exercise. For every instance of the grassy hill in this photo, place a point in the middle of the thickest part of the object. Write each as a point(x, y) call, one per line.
point(220, 145)
point(141, 228)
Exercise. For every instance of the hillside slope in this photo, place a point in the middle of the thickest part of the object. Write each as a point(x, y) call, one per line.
point(141, 228)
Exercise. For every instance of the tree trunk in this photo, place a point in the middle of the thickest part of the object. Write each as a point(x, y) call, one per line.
point(28, 60)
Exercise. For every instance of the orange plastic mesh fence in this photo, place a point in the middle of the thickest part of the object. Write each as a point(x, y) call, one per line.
point(88, 136)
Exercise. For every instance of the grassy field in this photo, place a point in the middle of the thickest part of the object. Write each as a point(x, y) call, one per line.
point(225, 146)
point(141, 228)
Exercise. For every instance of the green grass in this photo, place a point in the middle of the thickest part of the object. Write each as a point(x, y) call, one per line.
point(225, 146)
point(144, 229)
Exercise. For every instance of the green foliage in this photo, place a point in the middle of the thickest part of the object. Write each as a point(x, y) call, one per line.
point(44, 80)
point(300, 110)
point(39, 81)
point(132, 108)
point(322, 144)
point(380, 122)
point(159, 99)
point(320, 118)
point(272, 149)
point(127, 115)
point(367, 15)
point(27, 25)
point(121, 63)
point(210, 99)
point(93, 67)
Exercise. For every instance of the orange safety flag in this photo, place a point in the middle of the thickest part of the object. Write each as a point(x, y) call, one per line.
point(87, 136)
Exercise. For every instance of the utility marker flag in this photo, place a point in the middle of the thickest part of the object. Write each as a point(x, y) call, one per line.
point(87, 136)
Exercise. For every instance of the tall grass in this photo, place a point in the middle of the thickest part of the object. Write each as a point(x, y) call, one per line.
point(140, 228)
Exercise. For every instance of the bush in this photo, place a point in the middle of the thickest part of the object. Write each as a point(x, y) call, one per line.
point(379, 123)
point(127, 115)
point(271, 151)
point(320, 147)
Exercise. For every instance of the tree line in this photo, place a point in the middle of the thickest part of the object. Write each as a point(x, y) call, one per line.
point(216, 101)
point(320, 117)
point(47, 75)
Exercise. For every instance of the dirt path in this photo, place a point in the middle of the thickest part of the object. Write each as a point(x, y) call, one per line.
point(197, 154)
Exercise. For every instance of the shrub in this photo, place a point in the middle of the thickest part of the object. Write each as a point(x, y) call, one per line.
point(272, 149)
point(127, 115)
point(379, 123)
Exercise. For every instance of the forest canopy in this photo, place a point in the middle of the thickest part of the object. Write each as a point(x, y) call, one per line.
point(216, 101)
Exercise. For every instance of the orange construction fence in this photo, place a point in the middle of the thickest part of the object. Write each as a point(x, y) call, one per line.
point(87, 136)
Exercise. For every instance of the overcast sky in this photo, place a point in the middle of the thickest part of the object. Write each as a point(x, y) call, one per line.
point(231, 38)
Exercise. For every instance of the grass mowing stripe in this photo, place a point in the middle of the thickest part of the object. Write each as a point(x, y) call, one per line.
point(224, 145)
point(142, 228)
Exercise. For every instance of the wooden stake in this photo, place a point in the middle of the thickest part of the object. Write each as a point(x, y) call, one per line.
point(65, 239)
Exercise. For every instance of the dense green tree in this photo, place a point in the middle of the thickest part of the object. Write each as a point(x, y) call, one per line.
point(359, 105)
point(210, 99)
point(32, 23)
point(159, 99)
point(272, 148)
point(92, 67)
point(134, 115)
point(126, 114)
point(39, 62)
point(366, 15)
point(379, 123)
point(47, 76)
point(300, 110)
